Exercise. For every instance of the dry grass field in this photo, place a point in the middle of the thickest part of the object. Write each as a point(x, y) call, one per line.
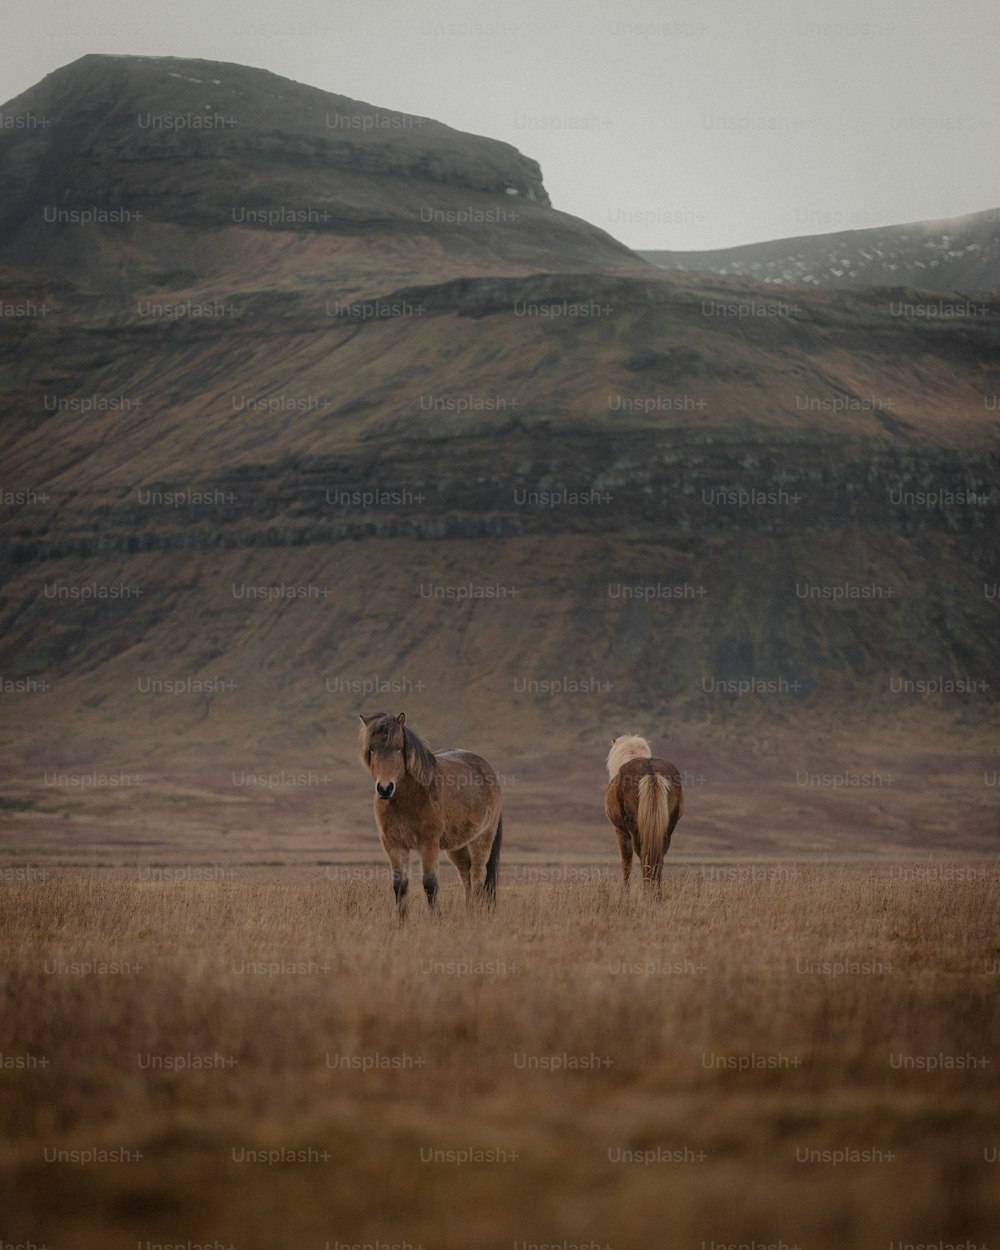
point(798, 1054)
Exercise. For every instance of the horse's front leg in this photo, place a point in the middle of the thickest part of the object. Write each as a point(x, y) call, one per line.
point(399, 859)
point(429, 852)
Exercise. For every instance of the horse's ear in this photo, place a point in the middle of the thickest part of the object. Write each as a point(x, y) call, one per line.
point(401, 719)
point(365, 720)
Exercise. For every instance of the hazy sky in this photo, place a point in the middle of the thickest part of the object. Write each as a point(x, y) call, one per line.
point(670, 123)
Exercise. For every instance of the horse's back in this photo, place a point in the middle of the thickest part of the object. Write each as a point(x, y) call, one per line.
point(455, 760)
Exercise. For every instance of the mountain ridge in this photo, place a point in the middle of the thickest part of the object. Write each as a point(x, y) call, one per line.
point(960, 254)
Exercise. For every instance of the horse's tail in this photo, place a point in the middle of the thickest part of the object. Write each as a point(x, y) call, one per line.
point(493, 864)
point(652, 819)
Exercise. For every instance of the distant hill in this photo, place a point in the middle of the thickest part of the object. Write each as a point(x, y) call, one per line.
point(960, 254)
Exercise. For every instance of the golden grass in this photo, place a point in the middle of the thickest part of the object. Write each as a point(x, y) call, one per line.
point(702, 1034)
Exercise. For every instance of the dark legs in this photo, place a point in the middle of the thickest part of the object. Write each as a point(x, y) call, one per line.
point(429, 863)
point(400, 878)
point(400, 861)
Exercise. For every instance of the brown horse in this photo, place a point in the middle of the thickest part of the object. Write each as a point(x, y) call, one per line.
point(644, 801)
point(426, 802)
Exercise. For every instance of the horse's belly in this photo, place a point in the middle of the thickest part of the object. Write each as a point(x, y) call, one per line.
point(455, 836)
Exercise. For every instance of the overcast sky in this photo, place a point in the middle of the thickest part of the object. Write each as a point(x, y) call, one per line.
point(669, 123)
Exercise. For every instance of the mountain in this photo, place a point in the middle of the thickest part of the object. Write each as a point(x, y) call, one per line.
point(957, 254)
point(129, 171)
point(500, 473)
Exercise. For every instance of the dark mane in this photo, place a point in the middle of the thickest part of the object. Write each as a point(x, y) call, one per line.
point(419, 758)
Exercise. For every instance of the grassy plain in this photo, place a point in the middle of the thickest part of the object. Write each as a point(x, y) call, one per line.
point(786, 1052)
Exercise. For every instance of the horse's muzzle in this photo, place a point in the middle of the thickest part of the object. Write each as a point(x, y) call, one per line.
point(385, 792)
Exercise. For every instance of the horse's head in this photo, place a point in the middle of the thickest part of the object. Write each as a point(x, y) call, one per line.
point(382, 751)
point(390, 751)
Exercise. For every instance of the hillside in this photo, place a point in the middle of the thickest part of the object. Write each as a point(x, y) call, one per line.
point(259, 476)
point(959, 254)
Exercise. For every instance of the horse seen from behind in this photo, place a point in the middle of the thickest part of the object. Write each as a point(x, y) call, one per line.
point(644, 800)
point(432, 801)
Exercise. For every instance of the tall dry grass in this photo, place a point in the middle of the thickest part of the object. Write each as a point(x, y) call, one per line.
point(635, 1074)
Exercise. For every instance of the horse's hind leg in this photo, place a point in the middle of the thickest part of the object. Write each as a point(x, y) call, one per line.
point(626, 849)
point(462, 860)
point(479, 852)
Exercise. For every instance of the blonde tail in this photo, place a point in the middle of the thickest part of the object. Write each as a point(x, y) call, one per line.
point(652, 818)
